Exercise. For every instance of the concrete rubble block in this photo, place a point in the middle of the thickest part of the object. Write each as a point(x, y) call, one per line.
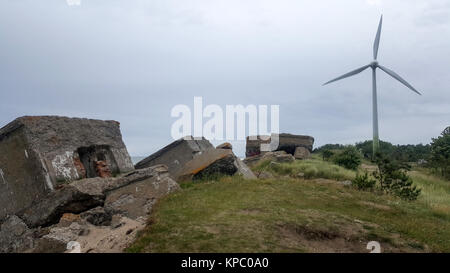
point(225, 145)
point(82, 195)
point(176, 154)
point(302, 153)
point(40, 153)
point(137, 199)
point(15, 236)
point(97, 216)
point(278, 156)
point(287, 143)
point(212, 163)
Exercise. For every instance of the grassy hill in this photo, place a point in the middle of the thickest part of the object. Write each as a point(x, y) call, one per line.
point(304, 209)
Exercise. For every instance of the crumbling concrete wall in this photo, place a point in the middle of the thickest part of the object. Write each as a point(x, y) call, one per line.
point(287, 143)
point(38, 153)
point(19, 170)
point(60, 139)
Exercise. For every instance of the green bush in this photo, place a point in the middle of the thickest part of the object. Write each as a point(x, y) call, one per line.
point(327, 154)
point(440, 153)
point(363, 182)
point(394, 179)
point(349, 158)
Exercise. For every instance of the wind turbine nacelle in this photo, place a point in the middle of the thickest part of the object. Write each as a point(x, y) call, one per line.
point(374, 64)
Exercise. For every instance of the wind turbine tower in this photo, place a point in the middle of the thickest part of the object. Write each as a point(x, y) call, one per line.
point(374, 65)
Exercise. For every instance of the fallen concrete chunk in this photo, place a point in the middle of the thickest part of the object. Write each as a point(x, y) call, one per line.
point(49, 210)
point(225, 145)
point(302, 153)
point(176, 154)
point(287, 143)
point(137, 199)
point(276, 157)
point(211, 163)
point(85, 194)
point(15, 236)
point(97, 216)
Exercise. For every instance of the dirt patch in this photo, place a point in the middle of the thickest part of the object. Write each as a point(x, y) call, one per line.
point(111, 240)
point(319, 240)
point(345, 237)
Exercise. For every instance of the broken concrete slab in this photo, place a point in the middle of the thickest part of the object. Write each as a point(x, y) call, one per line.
point(38, 153)
point(214, 162)
point(302, 153)
point(137, 199)
point(15, 236)
point(225, 145)
point(85, 194)
point(277, 157)
point(176, 154)
point(48, 210)
point(287, 143)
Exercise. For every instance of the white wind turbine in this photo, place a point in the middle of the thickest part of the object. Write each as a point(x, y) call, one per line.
point(374, 65)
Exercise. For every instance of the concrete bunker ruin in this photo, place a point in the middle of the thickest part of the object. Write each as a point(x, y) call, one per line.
point(38, 153)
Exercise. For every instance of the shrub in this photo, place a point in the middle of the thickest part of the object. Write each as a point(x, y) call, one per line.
point(440, 153)
point(394, 179)
point(327, 154)
point(363, 182)
point(349, 158)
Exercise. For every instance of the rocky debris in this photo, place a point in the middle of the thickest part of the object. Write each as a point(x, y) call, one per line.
point(176, 154)
point(265, 175)
point(302, 153)
point(345, 183)
point(85, 194)
point(97, 216)
point(276, 157)
point(68, 218)
point(38, 153)
point(287, 143)
point(225, 145)
point(48, 210)
point(214, 162)
point(73, 211)
point(137, 199)
point(15, 236)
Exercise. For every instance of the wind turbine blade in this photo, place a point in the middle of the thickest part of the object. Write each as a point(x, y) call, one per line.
point(376, 44)
point(349, 74)
point(398, 78)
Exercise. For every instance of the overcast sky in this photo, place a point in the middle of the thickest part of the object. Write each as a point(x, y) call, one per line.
point(132, 61)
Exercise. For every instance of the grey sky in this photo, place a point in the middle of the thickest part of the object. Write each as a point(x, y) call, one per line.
point(132, 61)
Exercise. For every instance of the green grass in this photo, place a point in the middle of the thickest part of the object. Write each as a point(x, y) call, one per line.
point(297, 215)
point(312, 168)
point(435, 190)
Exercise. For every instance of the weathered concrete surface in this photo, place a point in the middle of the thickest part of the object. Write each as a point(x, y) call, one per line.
point(103, 214)
point(287, 143)
point(278, 157)
point(212, 163)
point(176, 154)
point(82, 195)
point(137, 199)
point(225, 145)
point(37, 153)
point(302, 153)
point(48, 210)
point(15, 236)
